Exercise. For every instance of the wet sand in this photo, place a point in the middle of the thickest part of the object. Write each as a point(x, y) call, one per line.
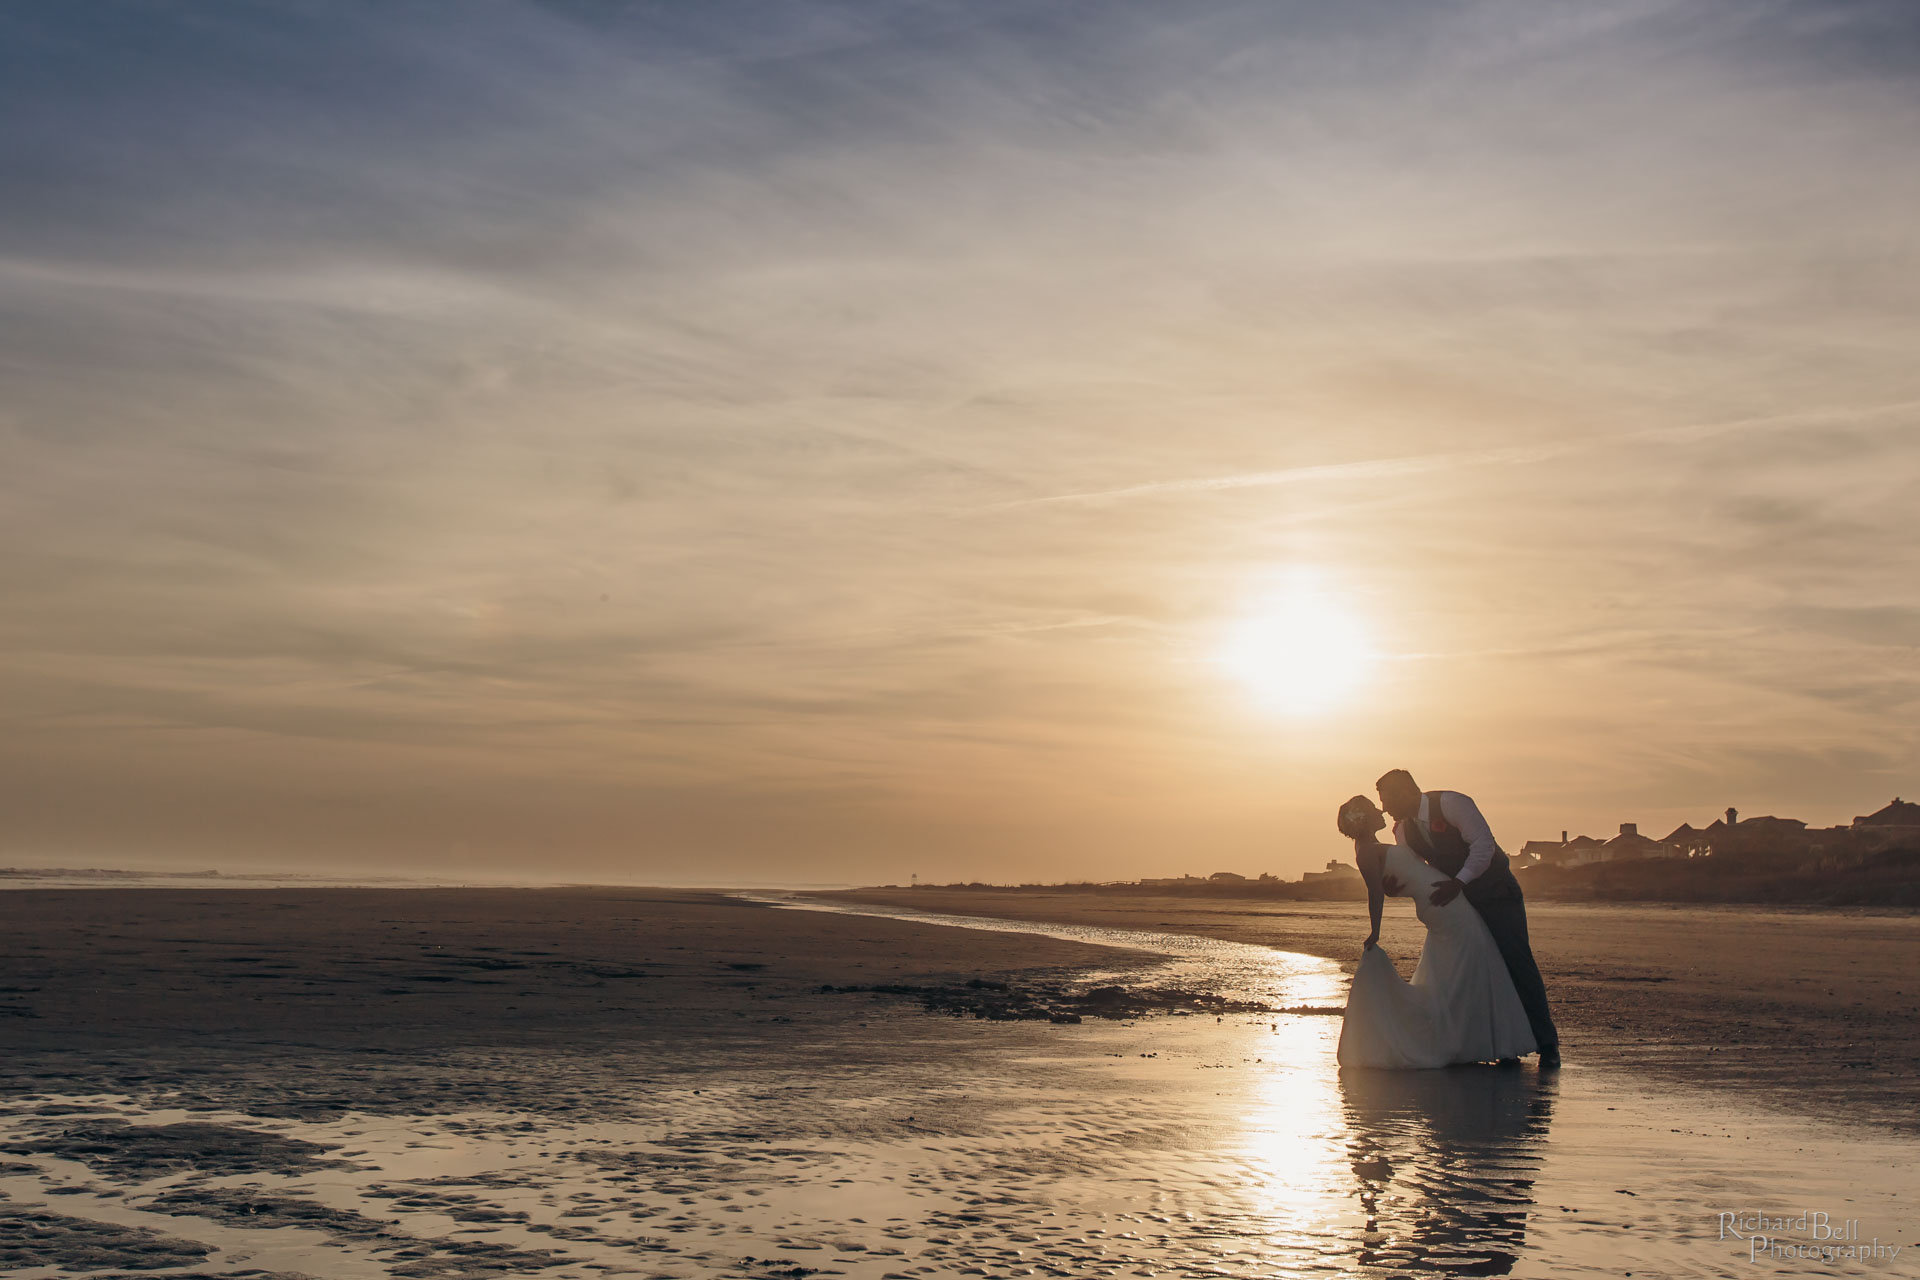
point(1817, 1010)
point(378, 1083)
point(394, 969)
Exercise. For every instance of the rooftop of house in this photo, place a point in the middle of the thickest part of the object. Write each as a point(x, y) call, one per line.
point(1900, 813)
point(1767, 822)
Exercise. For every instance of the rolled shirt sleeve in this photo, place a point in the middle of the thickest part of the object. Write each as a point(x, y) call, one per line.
point(1467, 819)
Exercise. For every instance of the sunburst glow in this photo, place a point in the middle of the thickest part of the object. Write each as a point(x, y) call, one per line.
point(1300, 651)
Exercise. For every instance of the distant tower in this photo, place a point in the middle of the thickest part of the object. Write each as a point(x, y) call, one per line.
point(1733, 816)
point(1563, 837)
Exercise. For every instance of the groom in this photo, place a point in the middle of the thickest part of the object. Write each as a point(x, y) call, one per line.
point(1446, 829)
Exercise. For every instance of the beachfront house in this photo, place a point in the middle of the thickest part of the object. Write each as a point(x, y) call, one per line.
point(1577, 852)
point(1630, 845)
point(1763, 837)
point(1535, 853)
point(1688, 841)
point(1895, 827)
point(1901, 813)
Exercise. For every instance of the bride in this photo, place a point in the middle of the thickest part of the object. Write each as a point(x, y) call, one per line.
point(1460, 1006)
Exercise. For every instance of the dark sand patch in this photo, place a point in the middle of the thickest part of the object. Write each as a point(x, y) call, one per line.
point(1058, 1002)
point(404, 1253)
point(466, 1258)
point(459, 1206)
point(238, 1207)
point(136, 1153)
point(245, 1274)
point(38, 1238)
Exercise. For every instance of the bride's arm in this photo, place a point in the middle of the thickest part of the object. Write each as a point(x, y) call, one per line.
point(1370, 854)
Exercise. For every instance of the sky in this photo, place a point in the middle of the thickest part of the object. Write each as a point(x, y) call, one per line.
point(822, 442)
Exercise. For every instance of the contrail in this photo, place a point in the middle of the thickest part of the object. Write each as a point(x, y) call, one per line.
point(1374, 469)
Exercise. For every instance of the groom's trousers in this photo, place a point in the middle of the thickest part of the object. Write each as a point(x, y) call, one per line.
point(1505, 911)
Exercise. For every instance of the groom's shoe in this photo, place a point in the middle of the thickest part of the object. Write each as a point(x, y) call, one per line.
point(1550, 1059)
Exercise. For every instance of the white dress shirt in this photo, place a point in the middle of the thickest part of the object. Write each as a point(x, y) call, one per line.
point(1464, 816)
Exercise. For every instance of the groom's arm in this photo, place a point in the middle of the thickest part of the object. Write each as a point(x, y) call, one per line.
point(1467, 819)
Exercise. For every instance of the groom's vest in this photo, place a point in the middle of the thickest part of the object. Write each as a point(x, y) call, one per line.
point(1443, 848)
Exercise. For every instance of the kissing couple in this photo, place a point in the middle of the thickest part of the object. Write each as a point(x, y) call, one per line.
point(1476, 995)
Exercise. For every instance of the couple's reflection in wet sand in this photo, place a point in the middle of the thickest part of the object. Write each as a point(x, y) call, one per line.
point(1445, 1164)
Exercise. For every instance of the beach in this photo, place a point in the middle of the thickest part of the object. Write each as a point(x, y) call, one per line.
point(588, 1082)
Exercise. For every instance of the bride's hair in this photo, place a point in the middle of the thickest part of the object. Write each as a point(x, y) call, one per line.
point(1359, 817)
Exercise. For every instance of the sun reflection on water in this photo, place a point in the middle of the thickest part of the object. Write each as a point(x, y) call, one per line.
point(1293, 1132)
point(1444, 1164)
point(1423, 1171)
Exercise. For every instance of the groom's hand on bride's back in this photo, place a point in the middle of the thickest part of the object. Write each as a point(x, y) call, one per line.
point(1445, 891)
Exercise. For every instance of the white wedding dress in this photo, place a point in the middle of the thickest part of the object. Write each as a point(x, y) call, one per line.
point(1460, 1006)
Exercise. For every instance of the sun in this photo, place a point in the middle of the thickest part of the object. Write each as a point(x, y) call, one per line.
point(1299, 651)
